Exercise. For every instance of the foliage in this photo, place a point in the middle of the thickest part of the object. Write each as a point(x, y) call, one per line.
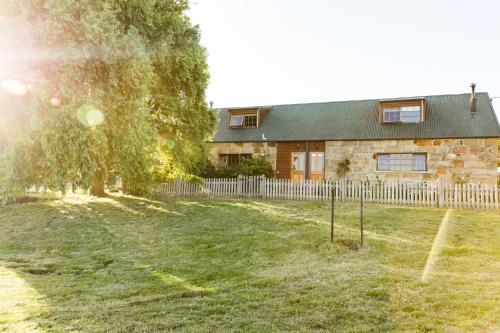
point(167, 172)
point(255, 166)
point(343, 168)
point(460, 179)
point(204, 169)
point(121, 73)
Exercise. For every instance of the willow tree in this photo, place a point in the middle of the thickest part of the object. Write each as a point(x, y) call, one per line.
point(112, 85)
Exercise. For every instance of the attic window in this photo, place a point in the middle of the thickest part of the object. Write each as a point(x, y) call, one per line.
point(244, 120)
point(250, 120)
point(236, 120)
point(403, 114)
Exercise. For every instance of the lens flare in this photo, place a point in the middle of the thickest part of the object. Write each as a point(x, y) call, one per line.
point(169, 144)
point(436, 246)
point(90, 116)
point(14, 87)
point(54, 101)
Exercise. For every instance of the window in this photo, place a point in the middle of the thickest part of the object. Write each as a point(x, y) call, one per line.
point(419, 162)
point(250, 120)
point(317, 165)
point(402, 162)
point(243, 120)
point(232, 159)
point(236, 120)
point(403, 114)
point(298, 165)
point(391, 115)
point(410, 114)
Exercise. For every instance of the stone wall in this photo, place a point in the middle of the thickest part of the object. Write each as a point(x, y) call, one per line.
point(477, 157)
point(445, 157)
point(255, 148)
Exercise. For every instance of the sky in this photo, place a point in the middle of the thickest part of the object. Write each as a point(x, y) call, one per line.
point(264, 52)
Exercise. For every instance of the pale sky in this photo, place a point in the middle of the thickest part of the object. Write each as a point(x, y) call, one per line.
point(289, 51)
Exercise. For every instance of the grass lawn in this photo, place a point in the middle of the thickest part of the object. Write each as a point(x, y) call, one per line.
point(129, 264)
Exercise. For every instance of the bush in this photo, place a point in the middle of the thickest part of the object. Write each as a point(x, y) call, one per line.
point(256, 166)
point(343, 167)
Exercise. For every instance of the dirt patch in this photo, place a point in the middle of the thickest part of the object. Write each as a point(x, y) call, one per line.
point(39, 271)
point(349, 243)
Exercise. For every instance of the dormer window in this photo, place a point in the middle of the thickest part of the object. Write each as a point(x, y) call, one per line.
point(403, 114)
point(247, 117)
point(405, 111)
point(243, 120)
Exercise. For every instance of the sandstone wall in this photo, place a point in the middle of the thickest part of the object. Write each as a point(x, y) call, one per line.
point(255, 148)
point(477, 157)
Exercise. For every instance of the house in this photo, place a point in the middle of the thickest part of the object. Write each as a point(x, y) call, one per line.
point(411, 139)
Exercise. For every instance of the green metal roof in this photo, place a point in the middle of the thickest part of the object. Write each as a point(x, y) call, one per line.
point(447, 116)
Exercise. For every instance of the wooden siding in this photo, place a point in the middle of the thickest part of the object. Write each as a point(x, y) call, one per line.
point(284, 151)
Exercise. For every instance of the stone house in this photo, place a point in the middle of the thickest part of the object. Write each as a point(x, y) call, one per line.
point(405, 139)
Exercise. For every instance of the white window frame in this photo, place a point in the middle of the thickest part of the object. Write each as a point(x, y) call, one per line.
point(391, 111)
point(404, 162)
point(401, 111)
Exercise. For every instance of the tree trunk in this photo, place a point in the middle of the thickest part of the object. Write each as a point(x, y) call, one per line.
point(97, 187)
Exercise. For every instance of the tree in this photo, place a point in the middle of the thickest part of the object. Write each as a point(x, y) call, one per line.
point(107, 80)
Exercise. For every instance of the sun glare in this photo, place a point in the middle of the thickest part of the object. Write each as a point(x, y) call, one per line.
point(14, 87)
point(436, 247)
point(54, 101)
point(89, 115)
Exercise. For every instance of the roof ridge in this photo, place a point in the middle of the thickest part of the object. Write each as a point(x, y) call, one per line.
point(351, 100)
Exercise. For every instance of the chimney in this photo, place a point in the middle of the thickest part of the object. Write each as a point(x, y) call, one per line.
point(473, 98)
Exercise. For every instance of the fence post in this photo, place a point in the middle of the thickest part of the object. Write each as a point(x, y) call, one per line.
point(263, 186)
point(440, 194)
point(343, 189)
point(238, 186)
point(177, 186)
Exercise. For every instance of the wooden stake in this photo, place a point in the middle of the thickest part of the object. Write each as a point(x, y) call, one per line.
point(333, 214)
point(362, 195)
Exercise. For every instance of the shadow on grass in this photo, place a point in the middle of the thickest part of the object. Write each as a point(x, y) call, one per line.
point(123, 263)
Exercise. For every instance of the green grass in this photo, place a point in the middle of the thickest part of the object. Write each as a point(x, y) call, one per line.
point(129, 264)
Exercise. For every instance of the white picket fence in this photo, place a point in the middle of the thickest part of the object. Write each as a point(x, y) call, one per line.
point(429, 194)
